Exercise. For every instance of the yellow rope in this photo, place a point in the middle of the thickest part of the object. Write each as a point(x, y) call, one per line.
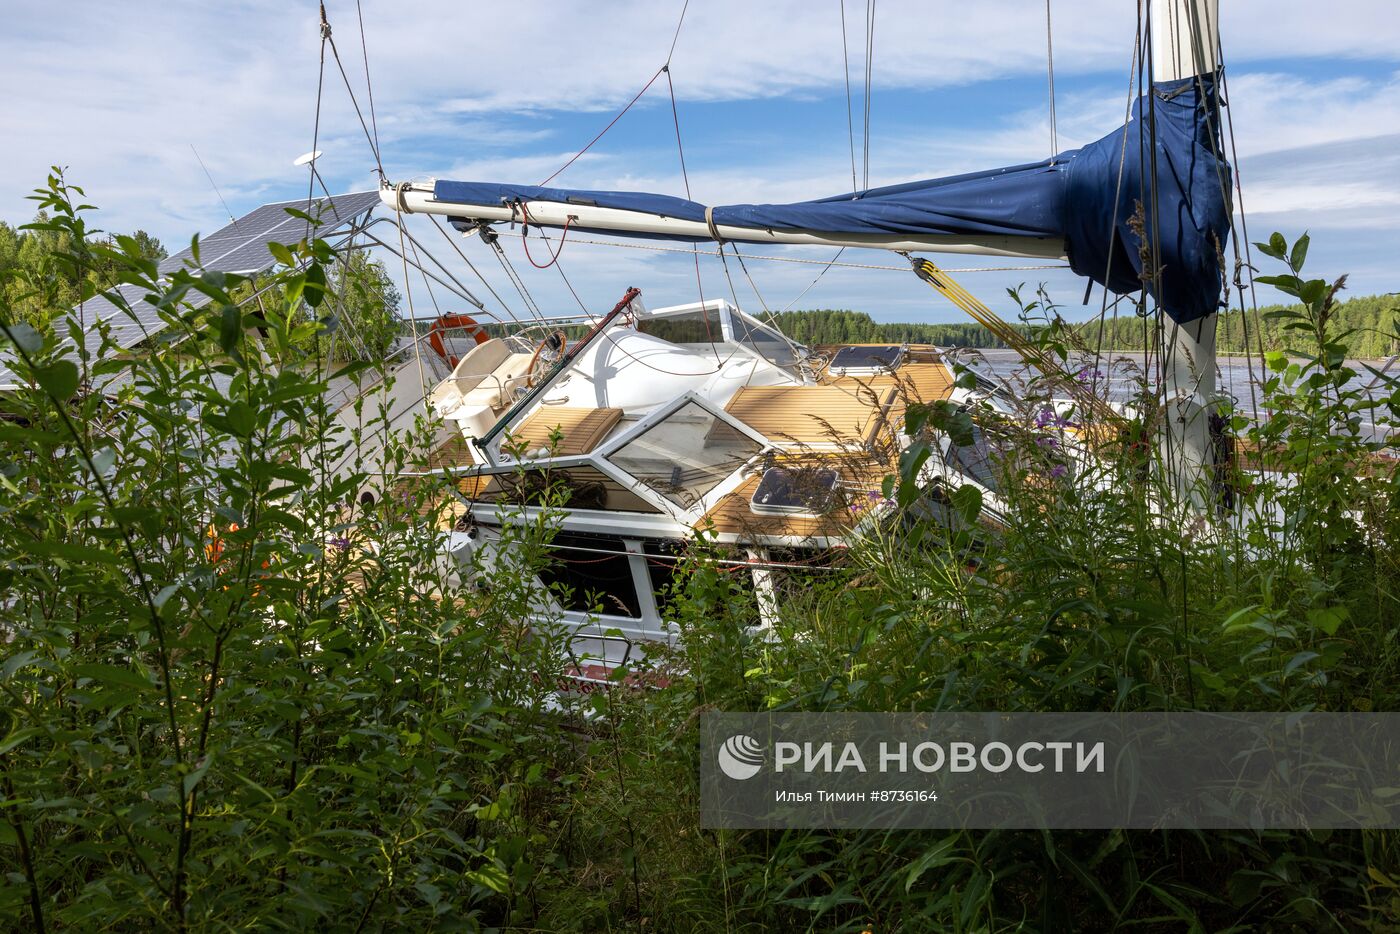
point(946, 286)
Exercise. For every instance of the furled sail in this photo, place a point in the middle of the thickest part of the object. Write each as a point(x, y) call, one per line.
point(1094, 206)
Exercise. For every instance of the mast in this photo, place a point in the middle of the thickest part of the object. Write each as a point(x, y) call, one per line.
point(1185, 37)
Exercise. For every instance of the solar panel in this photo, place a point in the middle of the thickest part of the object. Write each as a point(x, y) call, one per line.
point(858, 360)
point(240, 246)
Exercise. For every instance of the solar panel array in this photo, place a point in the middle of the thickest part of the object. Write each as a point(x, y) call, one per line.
point(239, 247)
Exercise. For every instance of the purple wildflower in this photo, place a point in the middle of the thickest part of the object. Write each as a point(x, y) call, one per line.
point(1059, 470)
point(342, 543)
point(1047, 442)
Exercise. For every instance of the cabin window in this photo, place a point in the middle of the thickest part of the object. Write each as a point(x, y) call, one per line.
point(701, 326)
point(764, 341)
point(686, 454)
point(591, 574)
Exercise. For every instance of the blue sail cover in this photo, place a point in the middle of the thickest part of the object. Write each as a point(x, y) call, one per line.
point(1078, 197)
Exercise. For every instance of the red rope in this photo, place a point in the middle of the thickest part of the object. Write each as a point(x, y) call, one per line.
point(525, 226)
point(606, 128)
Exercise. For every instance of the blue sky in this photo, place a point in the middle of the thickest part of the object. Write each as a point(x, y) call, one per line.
point(508, 92)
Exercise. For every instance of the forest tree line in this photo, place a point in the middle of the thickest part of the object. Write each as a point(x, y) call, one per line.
point(1374, 318)
point(28, 255)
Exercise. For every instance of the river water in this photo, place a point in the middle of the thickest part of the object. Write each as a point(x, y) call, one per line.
point(1239, 377)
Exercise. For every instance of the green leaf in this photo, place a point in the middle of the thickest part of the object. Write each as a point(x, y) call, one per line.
point(103, 460)
point(1327, 619)
point(931, 858)
point(1289, 285)
point(1269, 249)
point(492, 811)
point(114, 675)
point(315, 284)
point(491, 876)
point(1241, 618)
point(967, 500)
point(281, 254)
point(1299, 254)
point(166, 592)
point(15, 662)
point(241, 419)
point(19, 736)
point(59, 379)
point(188, 782)
point(1313, 292)
point(1302, 658)
point(230, 325)
point(25, 337)
point(79, 554)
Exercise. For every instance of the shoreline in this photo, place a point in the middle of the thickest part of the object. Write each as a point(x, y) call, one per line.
point(1232, 355)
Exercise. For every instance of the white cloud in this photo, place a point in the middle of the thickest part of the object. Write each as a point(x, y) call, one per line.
point(119, 92)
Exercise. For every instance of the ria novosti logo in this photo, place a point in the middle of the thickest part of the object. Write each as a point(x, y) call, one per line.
point(740, 757)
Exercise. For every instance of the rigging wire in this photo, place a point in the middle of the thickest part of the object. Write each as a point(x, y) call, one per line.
point(369, 85)
point(427, 283)
point(851, 140)
point(601, 133)
point(327, 37)
point(850, 137)
point(470, 265)
point(515, 280)
point(850, 119)
point(1050, 69)
point(811, 285)
point(560, 268)
point(677, 35)
point(412, 314)
point(316, 122)
point(214, 186)
point(1248, 249)
point(869, 74)
point(685, 177)
point(1215, 116)
point(1133, 66)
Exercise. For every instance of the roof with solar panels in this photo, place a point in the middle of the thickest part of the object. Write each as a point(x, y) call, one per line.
point(239, 247)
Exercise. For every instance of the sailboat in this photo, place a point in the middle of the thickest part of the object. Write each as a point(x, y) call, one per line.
point(657, 424)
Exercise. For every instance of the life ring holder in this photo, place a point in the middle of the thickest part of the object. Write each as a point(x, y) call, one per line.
point(446, 323)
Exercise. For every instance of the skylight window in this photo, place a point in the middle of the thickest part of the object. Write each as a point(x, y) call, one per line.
point(686, 454)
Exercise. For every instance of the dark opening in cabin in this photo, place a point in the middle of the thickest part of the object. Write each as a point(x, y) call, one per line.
point(662, 559)
point(591, 574)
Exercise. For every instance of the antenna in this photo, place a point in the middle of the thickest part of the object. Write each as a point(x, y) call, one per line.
point(308, 159)
point(215, 187)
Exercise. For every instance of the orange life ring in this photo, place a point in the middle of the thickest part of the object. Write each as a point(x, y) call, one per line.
point(452, 323)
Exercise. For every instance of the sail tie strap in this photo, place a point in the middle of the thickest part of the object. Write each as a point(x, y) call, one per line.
point(710, 223)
